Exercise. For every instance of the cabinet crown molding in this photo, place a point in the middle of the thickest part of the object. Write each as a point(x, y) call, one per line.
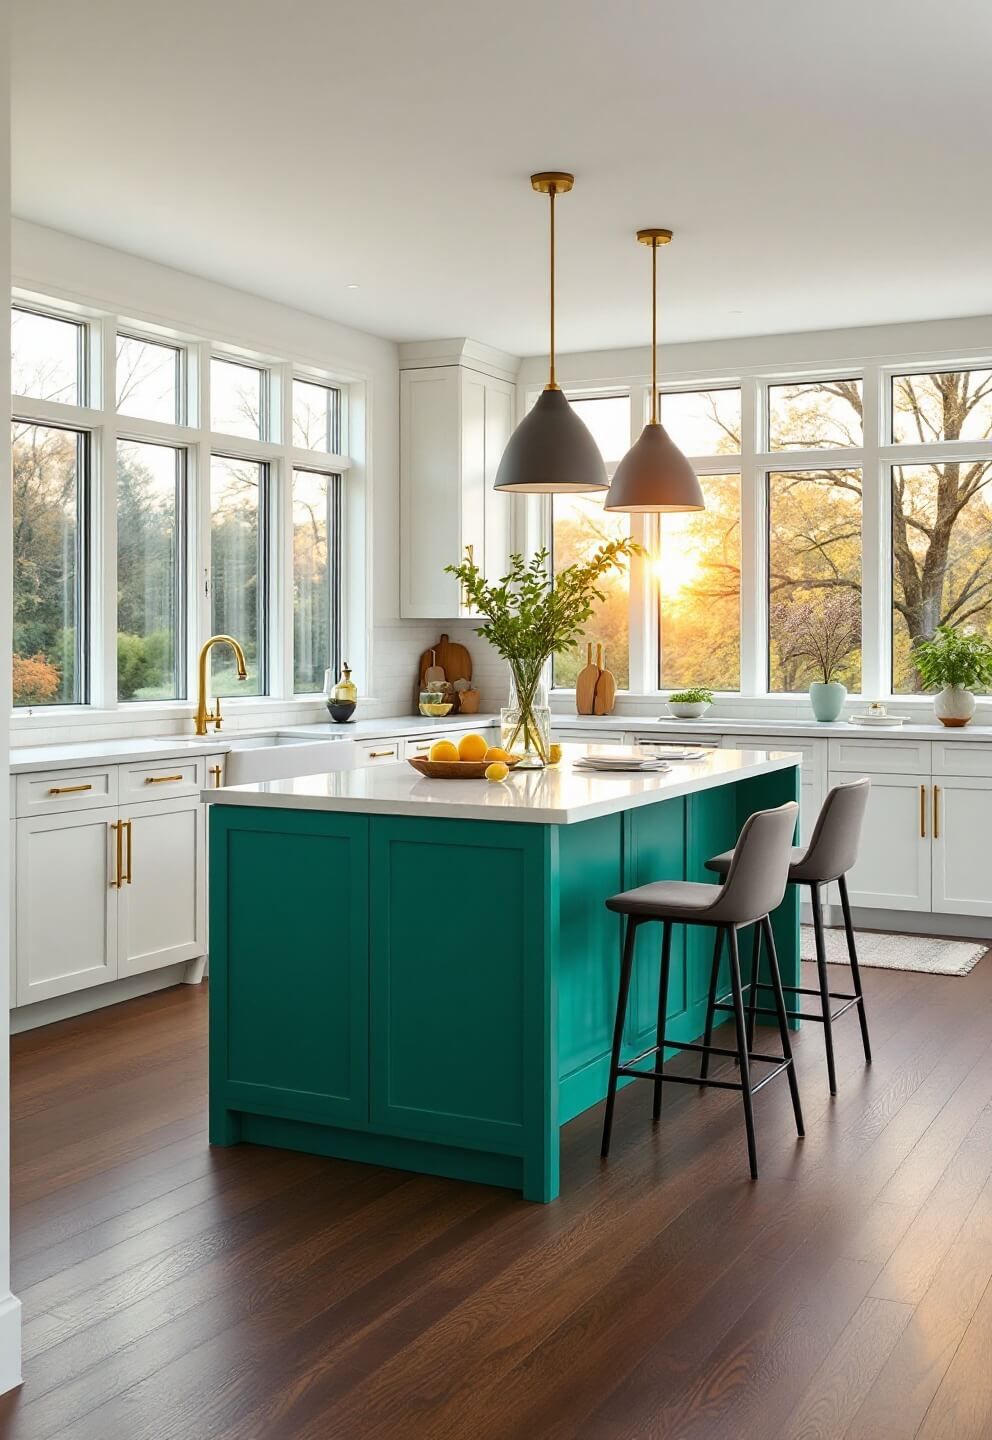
point(471, 354)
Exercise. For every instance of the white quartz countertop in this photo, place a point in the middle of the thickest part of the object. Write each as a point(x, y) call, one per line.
point(25, 759)
point(558, 795)
point(726, 725)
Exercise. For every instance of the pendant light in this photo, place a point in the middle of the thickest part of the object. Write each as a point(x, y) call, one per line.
point(654, 476)
point(551, 452)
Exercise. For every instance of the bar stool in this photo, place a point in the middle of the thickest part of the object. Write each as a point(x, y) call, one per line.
point(832, 850)
point(754, 885)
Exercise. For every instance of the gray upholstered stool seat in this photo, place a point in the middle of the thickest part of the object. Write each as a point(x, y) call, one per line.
point(832, 850)
point(754, 886)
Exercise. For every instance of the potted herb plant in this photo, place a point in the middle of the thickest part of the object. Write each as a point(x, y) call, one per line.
point(817, 635)
point(690, 704)
point(955, 662)
point(527, 619)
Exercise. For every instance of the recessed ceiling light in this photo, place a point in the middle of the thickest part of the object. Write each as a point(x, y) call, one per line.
point(351, 287)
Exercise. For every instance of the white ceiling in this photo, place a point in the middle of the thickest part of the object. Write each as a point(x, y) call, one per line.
point(822, 164)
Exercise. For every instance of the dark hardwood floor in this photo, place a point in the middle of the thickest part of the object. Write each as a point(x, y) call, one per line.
point(172, 1292)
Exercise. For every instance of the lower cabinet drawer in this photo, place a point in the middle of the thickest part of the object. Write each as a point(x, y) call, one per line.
point(162, 780)
point(415, 749)
point(961, 757)
point(378, 752)
point(878, 756)
point(53, 791)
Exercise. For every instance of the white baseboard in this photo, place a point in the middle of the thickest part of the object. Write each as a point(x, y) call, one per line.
point(81, 1002)
point(10, 1343)
point(909, 922)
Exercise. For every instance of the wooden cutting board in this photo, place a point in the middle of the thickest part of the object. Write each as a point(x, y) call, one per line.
point(453, 659)
point(606, 689)
point(585, 685)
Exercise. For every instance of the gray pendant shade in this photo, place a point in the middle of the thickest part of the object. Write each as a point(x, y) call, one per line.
point(552, 452)
point(654, 476)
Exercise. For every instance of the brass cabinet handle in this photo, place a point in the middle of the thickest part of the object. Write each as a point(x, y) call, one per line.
point(162, 779)
point(118, 829)
point(923, 812)
point(68, 789)
point(421, 748)
point(936, 812)
point(380, 754)
point(127, 872)
point(216, 771)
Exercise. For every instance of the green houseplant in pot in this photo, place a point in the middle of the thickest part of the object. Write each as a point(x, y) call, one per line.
point(815, 637)
point(691, 704)
point(954, 662)
point(527, 618)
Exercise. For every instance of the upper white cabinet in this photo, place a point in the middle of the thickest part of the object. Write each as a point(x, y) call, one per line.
point(457, 412)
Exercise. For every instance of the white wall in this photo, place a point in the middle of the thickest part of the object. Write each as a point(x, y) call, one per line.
point(10, 1309)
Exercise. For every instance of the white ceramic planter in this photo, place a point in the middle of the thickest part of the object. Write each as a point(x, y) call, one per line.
point(685, 711)
point(954, 706)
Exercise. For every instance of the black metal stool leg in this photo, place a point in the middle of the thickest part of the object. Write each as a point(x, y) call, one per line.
point(783, 1022)
point(626, 967)
point(821, 970)
point(752, 999)
point(855, 968)
point(735, 981)
point(704, 1068)
point(666, 962)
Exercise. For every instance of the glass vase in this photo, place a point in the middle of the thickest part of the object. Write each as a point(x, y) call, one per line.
point(525, 721)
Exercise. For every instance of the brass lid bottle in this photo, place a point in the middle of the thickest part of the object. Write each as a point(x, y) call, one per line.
point(345, 691)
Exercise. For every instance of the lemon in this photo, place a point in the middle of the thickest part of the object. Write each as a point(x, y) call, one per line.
point(554, 755)
point(496, 752)
point(472, 747)
point(444, 750)
point(496, 772)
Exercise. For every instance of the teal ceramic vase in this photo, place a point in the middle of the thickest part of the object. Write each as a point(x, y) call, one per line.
point(827, 700)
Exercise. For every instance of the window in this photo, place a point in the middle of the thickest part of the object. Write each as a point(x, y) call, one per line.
point(816, 415)
point(703, 422)
point(49, 483)
point(941, 556)
point(47, 357)
point(150, 380)
point(237, 399)
point(237, 570)
point(944, 405)
point(814, 564)
point(314, 549)
point(151, 493)
point(579, 526)
point(315, 416)
point(697, 569)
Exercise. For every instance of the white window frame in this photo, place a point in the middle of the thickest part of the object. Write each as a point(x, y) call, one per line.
point(100, 419)
point(873, 458)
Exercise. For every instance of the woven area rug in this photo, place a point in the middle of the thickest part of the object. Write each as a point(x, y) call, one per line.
point(880, 951)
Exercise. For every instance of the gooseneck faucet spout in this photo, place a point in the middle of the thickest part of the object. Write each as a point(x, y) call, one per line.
point(204, 716)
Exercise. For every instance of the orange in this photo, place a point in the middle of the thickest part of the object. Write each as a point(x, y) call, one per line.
point(554, 754)
point(496, 752)
point(496, 772)
point(472, 747)
point(444, 750)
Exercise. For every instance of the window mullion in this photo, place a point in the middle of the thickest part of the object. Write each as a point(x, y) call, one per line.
point(103, 523)
point(281, 615)
point(754, 538)
point(198, 595)
point(875, 572)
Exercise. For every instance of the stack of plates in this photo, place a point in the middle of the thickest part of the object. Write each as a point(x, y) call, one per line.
point(621, 762)
point(863, 718)
point(679, 752)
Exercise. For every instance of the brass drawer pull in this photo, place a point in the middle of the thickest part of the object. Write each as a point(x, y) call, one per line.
point(936, 812)
point(127, 873)
point(421, 748)
point(68, 789)
point(923, 812)
point(216, 771)
point(163, 779)
point(118, 829)
point(380, 754)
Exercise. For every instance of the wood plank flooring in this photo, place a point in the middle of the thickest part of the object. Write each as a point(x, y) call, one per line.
point(172, 1292)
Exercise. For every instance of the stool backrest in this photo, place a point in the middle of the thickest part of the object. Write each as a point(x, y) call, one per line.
point(833, 846)
point(759, 869)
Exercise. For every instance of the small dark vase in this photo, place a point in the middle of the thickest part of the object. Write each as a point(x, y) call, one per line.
point(341, 710)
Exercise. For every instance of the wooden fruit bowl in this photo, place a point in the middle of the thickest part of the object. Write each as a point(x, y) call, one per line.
point(457, 769)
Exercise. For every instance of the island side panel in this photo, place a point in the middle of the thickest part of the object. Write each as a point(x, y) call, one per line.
point(462, 1021)
point(289, 969)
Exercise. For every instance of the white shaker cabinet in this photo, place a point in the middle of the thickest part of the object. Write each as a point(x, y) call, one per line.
point(67, 912)
point(962, 857)
point(455, 421)
point(893, 867)
point(163, 913)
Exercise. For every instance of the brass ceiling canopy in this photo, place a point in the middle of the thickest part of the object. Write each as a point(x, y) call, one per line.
point(551, 452)
point(654, 476)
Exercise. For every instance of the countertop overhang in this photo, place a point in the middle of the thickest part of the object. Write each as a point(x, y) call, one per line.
point(559, 795)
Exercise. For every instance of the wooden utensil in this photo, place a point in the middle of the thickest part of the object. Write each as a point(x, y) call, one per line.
point(451, 657)
point(585, 684)
point(606, 689)
point(434, 674)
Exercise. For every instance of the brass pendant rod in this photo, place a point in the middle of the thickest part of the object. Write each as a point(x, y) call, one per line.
point(654, 331)
point(552, 381)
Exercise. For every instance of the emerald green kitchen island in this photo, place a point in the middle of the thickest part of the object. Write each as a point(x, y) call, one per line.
point(422, 974)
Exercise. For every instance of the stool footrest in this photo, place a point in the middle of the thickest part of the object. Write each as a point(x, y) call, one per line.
point(780, 1064)
point(702, 1050)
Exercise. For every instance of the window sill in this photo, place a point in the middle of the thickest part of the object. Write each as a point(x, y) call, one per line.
point(165, 715)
